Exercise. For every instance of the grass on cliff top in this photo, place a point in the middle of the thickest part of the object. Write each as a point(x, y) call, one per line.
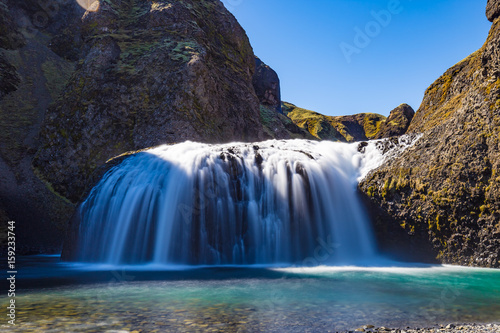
point(343, 128)
point(274, 121)
point(441, 101)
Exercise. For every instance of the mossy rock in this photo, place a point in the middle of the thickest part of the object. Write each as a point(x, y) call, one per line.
point(149, 74)
point(443, 192)
point(359, 127)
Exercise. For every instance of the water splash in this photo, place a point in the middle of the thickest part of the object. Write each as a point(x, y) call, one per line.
point(275, 202)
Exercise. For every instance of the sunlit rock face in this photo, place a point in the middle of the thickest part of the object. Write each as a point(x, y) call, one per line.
point(274, 202)
point(358, 127)
point(150, 73)
point(89, 5)
point(397, 123)
point(445, 191)
point(493, 10)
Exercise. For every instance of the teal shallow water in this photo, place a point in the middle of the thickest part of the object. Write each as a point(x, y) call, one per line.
point(64, 298)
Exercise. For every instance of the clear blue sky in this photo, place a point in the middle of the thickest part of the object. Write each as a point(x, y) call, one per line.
point(301, 40)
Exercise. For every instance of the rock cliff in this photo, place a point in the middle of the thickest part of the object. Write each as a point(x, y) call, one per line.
point(31, 76)
point(493, 9)
point(150, 73)
point(267, 86)
point(441, 198)
point(359, 127)
point(130, 75)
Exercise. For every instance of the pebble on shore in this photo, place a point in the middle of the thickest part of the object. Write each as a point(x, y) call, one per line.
point(450, 328)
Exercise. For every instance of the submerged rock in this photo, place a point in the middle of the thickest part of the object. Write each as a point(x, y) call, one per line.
point(9, 78)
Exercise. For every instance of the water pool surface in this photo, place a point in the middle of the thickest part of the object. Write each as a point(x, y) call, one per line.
point(58, 297)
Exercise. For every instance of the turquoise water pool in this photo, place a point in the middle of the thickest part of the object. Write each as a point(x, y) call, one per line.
point(56, 297)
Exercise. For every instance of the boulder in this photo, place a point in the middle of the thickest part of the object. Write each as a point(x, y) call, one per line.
point(398, 122)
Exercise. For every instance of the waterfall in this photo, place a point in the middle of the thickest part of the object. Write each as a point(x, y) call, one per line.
point(274, 202)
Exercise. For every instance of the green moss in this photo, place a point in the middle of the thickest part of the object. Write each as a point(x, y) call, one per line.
point(385, 188)
point(184, 51)
point(372, 124)
point(273, 121)
point(483, 209)
point(57, 74)
point(343, 128)
point(49, 186)
point(494, 85)
point(445, 87)
point(370, 191)
point(64, 133)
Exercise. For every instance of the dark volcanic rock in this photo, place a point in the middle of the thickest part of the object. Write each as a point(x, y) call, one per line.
point(145, 74)
point(493, 9)
point(9, 79)
point(10, 39)
point(444, 192)
point(398, 122)
point(10, 36)
point(150, 73)
point(267, 88)
point(267, 85)
point(31, 77)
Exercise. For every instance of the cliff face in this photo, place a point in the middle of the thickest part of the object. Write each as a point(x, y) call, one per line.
point(150, 73)
point(443, 194)
point(10, 39)
point(131, 75)
point(267, 86)
point(31, 77)
point(493, 9)
point(359, 127)
point(275, 124)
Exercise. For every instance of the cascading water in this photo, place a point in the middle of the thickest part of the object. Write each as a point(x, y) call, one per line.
point(275, 202)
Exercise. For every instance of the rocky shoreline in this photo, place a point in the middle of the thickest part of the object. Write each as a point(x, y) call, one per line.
point(450, 328)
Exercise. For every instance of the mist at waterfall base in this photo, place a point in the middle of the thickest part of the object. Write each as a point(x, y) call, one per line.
point(271, 203)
